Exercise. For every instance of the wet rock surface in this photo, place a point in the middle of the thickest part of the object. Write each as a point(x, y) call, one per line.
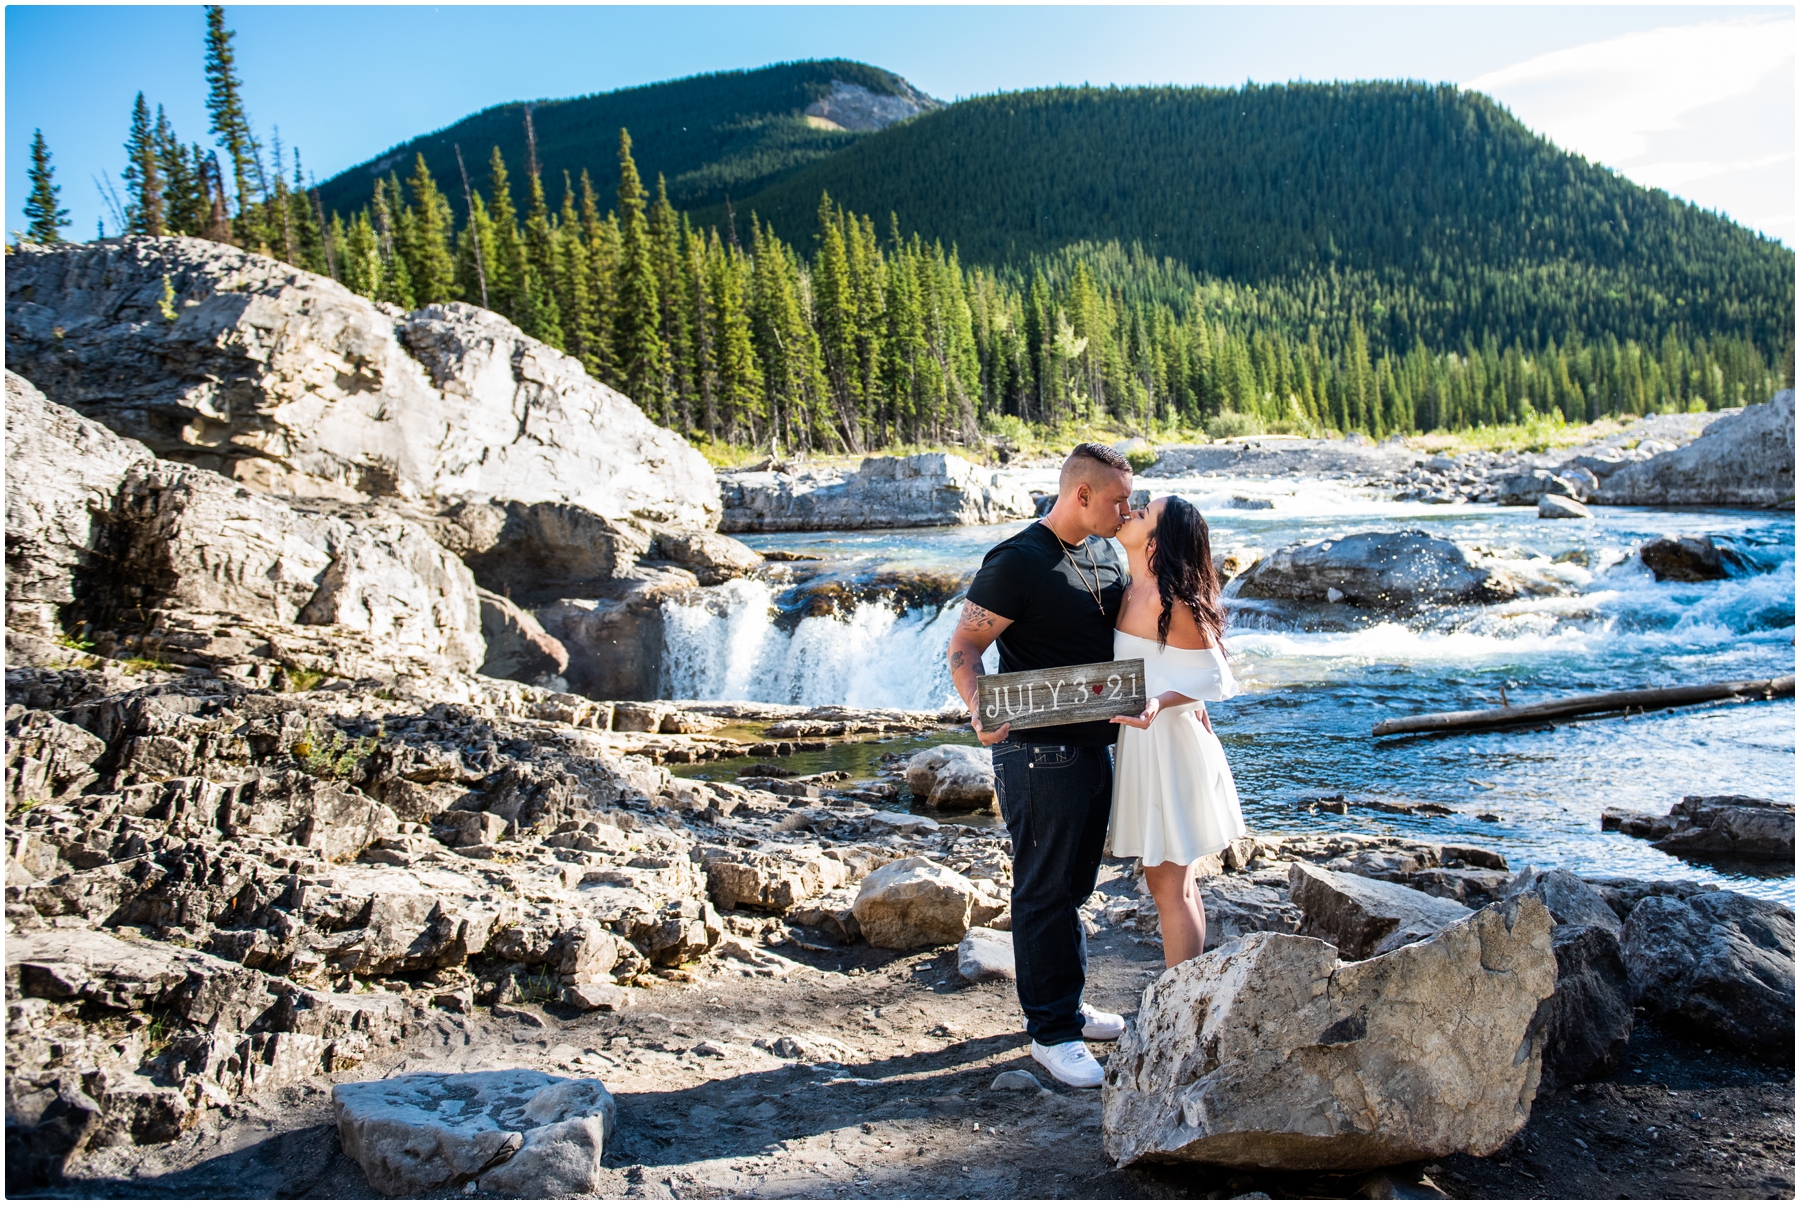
point(1704, 826)
point(1397, 571)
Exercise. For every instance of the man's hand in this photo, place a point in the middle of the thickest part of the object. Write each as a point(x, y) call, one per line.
point(986, 737)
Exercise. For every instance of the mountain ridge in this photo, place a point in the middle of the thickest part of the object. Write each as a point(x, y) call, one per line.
point(760, 125)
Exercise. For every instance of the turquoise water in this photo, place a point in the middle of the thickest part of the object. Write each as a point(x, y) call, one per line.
point(1315, 680)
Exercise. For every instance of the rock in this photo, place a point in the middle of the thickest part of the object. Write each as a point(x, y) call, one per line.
point(615, 636)
point(517, 645)
point(606, 997)
point(1528, 489)
point(1742, 459)
point(1235, 907)
point(536, 552)
point(339, 821)
point(1271, 1053)
point(472, 828)
point(46, 759)
point(768, 882)
point(1735, 826)
point(986, 954)
point(952, 777)
point(1555, 506)
point(1363, 917)
point(1388, 570)
point(1718, 961)
point(854, 107)
point(1587, 1022)
point(1015, 1081)
point(834, 912)
point(1571, 901)
point(62, 476)
point(1706, 826)
point(913, 903)
point(523, 1133)
point(711, 557)
point(1233, 562)
point(1683, 559)
point(186, 540)
point(290, 383)
point(930, 489)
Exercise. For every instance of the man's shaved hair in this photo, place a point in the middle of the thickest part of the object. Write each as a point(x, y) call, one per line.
point(1085, 459)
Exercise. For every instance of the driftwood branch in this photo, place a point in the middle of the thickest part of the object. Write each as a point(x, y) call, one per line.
point(1617, 700)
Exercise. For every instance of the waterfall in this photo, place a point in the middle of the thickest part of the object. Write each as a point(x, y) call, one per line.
point(725, 644)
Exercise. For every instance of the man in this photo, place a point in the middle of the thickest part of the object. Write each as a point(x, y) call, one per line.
point(1050, 596)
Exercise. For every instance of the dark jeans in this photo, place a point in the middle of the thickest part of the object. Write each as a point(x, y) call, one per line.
point(1056, 800)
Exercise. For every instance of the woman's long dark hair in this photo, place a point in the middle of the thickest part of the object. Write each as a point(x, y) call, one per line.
point(1184, 571)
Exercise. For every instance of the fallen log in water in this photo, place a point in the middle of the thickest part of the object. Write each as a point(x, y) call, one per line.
point(1617, 700)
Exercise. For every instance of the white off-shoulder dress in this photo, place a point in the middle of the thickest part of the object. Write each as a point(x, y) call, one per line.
point(1173, 797)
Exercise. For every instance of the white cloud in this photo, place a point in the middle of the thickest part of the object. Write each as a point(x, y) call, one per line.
point(1705, 111)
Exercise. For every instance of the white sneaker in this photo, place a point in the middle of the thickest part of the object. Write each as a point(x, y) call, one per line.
point(1069, 1062)
point(1097, 1026)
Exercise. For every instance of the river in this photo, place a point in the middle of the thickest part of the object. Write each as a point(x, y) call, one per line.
point(1314, 681)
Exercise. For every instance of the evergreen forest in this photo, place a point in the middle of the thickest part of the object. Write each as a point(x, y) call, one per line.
point(1382, 258)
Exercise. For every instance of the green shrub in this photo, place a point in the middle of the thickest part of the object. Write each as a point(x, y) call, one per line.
point(1229, 423)
point(329, 754)
point(1142, 459)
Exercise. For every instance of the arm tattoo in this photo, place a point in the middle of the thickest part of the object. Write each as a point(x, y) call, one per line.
point(976, 618)
point(956, 660)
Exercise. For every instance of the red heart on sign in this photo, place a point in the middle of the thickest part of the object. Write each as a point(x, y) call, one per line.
point(1096, 690)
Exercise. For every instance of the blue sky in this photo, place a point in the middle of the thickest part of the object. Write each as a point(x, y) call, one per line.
point(1696, 99)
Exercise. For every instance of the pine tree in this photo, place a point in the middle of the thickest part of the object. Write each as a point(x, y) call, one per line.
point(666, 259)
point(185, 202)
point(602, 238)
point(507, 273)
point(540, 316)
point(45, 219)
point(637, 318)
point(224, 100)
point(575, 296)
point(143, 176)
point(426, 247)
point(741, 396)
point(835, 299)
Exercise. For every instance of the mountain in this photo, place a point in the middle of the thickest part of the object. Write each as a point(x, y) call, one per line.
point(732, 132)
point(1430, 210)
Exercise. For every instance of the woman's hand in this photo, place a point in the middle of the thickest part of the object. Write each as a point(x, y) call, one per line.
point(1151, 707)
point(1207, 720)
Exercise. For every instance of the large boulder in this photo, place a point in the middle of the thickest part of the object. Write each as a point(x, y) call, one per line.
point(1270, 1052)
point(1363, 917)
point(709, 556)
point(1712, 826)
point(1386, 570)
point(1684, 559)
point(1719, 961)
point(1742, 459)
point(931, 489)
point(1587, 1022)
point(1556, 506)
point(1528, 489)
point(952, 777)
point(1571, 900)
point(291, 383)
point(164, 537)
point(1733, 826)
point(913, 903)
point(517, 645)
point(517, 1133)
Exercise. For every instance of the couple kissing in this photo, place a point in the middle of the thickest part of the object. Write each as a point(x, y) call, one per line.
point(1154, 786)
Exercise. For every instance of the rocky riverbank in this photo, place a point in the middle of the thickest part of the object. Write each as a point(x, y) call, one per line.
point(272, 828)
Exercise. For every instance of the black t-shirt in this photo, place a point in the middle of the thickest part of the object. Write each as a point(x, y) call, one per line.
point(1036, 580)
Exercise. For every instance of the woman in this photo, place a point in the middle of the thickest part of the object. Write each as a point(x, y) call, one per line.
point(1173, 798)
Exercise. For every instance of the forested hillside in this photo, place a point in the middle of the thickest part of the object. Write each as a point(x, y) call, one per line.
point(1375, 257)
point(730, 132)
point(1429, 212)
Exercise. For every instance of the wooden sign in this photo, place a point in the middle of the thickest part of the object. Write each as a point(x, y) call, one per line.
point(1067, 694)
